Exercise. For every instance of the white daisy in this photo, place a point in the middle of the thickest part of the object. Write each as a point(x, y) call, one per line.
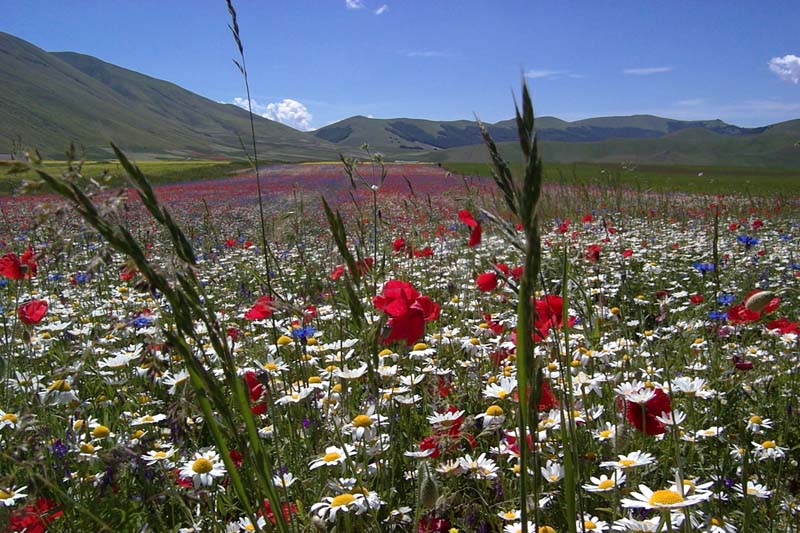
point(202, 470)
point(662, 499)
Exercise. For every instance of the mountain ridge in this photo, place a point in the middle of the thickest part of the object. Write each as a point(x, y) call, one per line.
point(49, 99)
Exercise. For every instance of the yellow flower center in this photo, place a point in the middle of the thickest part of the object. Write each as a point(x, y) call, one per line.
point(511, 515)
point(699, 340)
point(588, 524)
point(474, 341)
point(665, 497)
point(101, 432)
point(606, 433)
point(717, 522)
point(249, 527)
point(311, 341)
point(755, 419)
point(138, 433)
point(385, 352)
point(494, 410)
point(270, 366)
point(337, 388)
point(86, 448)
point(4, 495)
point(331, 457)
point(315, 379)
point(605, 484)
point(546, 529)
point(283, 340)
point(627, 462)
point(9, 417)
point(502, 394)
point(60, 385)
point(768, 444)
point(362, 421)
point(342, 500)
point(202, 466)
point(614, 310)
point(159, 455)
point(420, 346)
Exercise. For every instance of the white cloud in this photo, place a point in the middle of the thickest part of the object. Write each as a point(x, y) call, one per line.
point(354, 4)
point(534, 74)
point(383, 9)
point(646, 71)
point(691, 102)
point(287, 111)
point(786, 67)
point(427, 53)
point(548, 74)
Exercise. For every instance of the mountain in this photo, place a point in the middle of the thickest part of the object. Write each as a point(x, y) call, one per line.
point(50, 99)
point(636, 138)
point(775, 146)
point(414, 134)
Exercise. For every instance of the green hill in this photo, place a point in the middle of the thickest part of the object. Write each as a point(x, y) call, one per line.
point(51, 99)
point(48, 99)
point(774, 147)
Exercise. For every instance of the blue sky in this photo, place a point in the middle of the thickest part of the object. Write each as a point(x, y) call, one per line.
point(313, 62)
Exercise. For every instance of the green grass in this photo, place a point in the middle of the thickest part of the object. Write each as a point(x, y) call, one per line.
point(159, 172)
point(688, 178)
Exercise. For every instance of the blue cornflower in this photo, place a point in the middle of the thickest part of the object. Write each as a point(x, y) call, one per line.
point(81, 278)
point(304, 332)
point(55, 276)
point(703, 267)
point(747, 240)
point(718, 315)
point(725, 299)
point(141, 322)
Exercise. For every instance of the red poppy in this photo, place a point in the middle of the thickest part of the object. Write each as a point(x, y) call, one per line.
point(564, 226)
point(739, 314)
point(408, 311)
point(425, 252)
point(14, 267)
point(433, 524)
point(256, 390)
point(10, 266)
point(230, 243)
point(643, 417)
point(592, 253)
point(517, 272)
point(627, 253)
point(475, 236)
point(696, 298)
point(782, 326)
point(260, 310)
point(32, 312)
point(587, 219)
point(127, 273)
point(487, 281)
point(34, 518)
point(398, 244)
point(288, 509)
point(549, 316)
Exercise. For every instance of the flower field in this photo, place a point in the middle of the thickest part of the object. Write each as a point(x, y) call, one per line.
point(362, 374)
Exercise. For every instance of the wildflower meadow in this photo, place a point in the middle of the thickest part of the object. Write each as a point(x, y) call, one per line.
point(364, 346)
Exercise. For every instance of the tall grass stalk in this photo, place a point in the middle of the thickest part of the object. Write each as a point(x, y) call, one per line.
point(522, 200)
point(242, 66)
